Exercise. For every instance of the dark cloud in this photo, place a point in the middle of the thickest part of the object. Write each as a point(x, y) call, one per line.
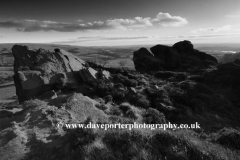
point(11, 24)
point(162, 19)
point(34, 25)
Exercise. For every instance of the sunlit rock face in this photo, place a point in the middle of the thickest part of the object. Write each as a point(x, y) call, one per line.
point(37, 72)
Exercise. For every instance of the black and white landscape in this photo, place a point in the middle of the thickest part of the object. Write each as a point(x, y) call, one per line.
point(119, 62)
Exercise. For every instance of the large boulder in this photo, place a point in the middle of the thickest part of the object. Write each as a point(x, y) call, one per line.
point(88, 74)
point(191, 56)
point(145, 61)
point(183, 46)
point(142, 52)
point(181, 55)
point(38, 71)
point(168, 55)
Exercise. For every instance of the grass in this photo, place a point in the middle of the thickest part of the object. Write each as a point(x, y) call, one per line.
point(137, 145)
point(229, 138)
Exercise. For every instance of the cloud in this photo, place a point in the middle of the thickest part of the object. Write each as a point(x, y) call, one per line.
point(165, 19)
point(34, 25)
point(11, 24)
point(161, 19)
point(137, 22)
point(213, 29)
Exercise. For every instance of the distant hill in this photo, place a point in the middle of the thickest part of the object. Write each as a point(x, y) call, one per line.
point(112, 54)
point(219, 48)
point(229, 57)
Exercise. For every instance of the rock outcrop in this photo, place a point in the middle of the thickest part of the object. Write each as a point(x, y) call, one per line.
point(180, 55)
point(168, 55)
point(145, 61)
point(37, 72)
point(183, 46)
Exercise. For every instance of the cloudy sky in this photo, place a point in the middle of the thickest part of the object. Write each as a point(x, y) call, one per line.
point(119, 22)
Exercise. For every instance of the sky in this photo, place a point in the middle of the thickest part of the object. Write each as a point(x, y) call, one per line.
point(119, 22)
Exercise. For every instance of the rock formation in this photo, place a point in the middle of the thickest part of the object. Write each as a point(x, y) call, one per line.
point(180, 55)
point(144, 60)
point(169, 57)
point(37, 72)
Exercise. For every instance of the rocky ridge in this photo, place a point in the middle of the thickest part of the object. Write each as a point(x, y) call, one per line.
point(70, 90)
